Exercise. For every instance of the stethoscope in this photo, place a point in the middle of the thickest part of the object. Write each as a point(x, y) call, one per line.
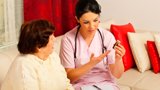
point(75, 51)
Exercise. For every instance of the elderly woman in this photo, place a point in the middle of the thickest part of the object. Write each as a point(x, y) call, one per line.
point(37, 67)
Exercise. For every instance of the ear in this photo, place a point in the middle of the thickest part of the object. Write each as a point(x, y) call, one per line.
point(38, 49)
point(77, 19)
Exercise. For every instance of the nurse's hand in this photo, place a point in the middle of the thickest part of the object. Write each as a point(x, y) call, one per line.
point(96, 60)
point(119, 51)
point(117, 68)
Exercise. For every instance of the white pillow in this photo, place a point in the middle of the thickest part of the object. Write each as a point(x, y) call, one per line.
point(137, 43)
point(157, 42)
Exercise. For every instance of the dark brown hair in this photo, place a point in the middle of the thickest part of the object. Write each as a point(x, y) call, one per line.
point(84, 6)
point(34, 34)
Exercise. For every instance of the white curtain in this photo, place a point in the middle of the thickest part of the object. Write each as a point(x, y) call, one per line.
point(11, 18)
point(1, 21)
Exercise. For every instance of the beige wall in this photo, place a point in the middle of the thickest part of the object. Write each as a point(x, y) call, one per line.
point(143, 14)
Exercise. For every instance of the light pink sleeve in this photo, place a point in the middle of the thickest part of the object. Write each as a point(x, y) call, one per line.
point(109, 41)
point(67, 51)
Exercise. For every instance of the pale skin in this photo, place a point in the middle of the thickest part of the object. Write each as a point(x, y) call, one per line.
point(89, 24)
point(44, 52)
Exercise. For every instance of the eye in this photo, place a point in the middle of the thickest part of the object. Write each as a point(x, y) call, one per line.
point(86, 22)
point(95, 20)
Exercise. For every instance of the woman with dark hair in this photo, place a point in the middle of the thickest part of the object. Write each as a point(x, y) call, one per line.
point(37, 67)
point(87, 51)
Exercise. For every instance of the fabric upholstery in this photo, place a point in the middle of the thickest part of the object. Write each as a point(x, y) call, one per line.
point(138, 42)
point(150, 81)
point(157, 42)
point(131, 77)
point(153, 54)
point(4, 66)
point(120, 33)
point(57, 44)
point(122, 87)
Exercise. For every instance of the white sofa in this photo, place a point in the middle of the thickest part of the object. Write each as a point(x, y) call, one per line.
point(132, 79)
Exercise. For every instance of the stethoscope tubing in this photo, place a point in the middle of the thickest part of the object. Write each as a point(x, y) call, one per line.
point(75, 51)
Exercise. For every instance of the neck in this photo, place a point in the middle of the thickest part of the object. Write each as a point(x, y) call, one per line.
point(88, 37)
point(41, 56)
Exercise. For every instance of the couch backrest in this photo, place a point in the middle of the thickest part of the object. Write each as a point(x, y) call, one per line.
point(57, 44)
point(5, 62)
point(7, 55)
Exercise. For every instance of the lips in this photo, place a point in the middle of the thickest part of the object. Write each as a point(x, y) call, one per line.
point(91, 30)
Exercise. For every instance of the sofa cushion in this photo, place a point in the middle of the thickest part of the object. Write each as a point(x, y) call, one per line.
point(138, 42)
point(130, 77)
point(120, 33)
point(153, 54)
point(57, 44)
point(7, 55)
point(150, 81)
point(4, 65)
point(10, 51)
point(157, 41)
point(122, 87)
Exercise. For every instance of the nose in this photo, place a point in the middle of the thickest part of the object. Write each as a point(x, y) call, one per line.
point(91, 25)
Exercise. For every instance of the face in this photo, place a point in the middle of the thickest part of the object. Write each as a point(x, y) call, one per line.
point(89, 22)
point(48, 49)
